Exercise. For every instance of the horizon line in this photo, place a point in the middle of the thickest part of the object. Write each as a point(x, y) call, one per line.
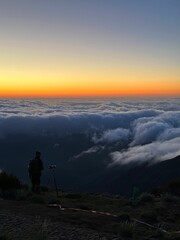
point(89, 97)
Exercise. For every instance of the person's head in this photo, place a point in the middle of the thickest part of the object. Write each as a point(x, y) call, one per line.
point(38, 154)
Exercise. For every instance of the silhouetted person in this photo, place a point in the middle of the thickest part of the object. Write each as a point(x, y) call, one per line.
point(35, 169)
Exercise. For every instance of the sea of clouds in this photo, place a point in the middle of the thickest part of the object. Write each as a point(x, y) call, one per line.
point(150, 127)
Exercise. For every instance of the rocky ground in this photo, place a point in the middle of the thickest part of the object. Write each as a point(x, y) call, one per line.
point(20, 227)
point(17, 223)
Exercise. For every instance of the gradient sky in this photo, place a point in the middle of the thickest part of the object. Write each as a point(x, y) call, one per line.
point(89, 48)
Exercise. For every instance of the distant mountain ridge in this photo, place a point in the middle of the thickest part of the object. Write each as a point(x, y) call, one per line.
point(144, 176)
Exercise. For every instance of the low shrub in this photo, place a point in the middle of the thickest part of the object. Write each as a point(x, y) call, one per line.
point(149, 216)
point(170, 198)
point(157, 192)
point(44, 189)
point(10, 194)
point(37, 199)
point(9, 181)
point(123, 218)
point(25, 186)
point(174, 187)
point(42, 233)
point(23, 194)
point(73, 195)
point(4, 237)
point(168, 236)
point(146, 197)
point(15, 194)
point(39, 236)
point(127, 229)
point(54, 201)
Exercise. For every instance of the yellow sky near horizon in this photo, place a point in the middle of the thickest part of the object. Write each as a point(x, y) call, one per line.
point(86, 78)
point(31, 74)
point(67, 86)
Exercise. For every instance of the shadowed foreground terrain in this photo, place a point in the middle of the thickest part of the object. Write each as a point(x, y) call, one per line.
point(29, 216)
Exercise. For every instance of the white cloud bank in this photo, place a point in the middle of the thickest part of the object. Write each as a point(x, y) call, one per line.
point(63, 124)
point(151, 128)
point(153, 139)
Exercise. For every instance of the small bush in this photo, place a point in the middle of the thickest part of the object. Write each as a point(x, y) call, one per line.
point(170, 198)
point(39, 236)
point(161, 209)
point(23, 194)
point(123, 218)
point(149, 216)
point(4, 237)
point(9, 194)
point(127, 229)
point(146, 197)
point(9, 181)
point(37, 199)
point(25, 186)
point(168, 236)
point(174, 187)
point(54, 201)
point(42, 233)
point(15, 194)
point(157, 192)
point(44, 189)
point(73, 195)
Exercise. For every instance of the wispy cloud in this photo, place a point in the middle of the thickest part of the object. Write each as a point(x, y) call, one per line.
point(112, 135)
point(154, 152)
point(88, 151)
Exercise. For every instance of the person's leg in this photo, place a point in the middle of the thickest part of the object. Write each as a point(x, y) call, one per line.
point(33, 179)
point(37, 184)
point(33, 186)
point(38, 188)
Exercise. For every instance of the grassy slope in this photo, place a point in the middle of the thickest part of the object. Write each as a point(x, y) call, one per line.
point(164, 212)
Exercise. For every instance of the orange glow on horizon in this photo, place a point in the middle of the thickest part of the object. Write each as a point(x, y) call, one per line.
point(76, 91)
